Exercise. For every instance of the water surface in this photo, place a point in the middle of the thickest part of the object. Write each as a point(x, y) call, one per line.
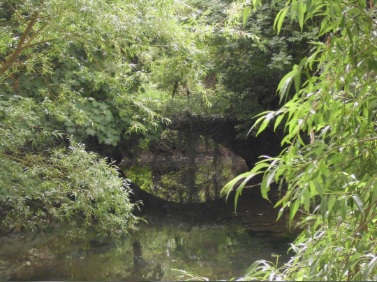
point(194, 230)
point(216, 251)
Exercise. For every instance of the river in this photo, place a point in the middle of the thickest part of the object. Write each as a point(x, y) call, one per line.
point(202, 237)
point(157, 251)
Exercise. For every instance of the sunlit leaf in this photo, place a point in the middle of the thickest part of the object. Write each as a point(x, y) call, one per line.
point(278, 24)
point(245, 15)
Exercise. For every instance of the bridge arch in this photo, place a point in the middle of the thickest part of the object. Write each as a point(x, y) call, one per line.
point(223, 130)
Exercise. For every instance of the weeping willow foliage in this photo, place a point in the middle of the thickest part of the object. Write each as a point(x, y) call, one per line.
point(327, 171)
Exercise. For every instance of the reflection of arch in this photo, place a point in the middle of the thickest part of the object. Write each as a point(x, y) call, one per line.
point(160, 206)
point(184, 168)
point(222, 131)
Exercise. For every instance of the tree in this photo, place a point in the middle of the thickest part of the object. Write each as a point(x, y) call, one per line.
point(327, 169)
point(72, 72)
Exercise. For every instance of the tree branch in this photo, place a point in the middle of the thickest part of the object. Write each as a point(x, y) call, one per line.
point(8, 63)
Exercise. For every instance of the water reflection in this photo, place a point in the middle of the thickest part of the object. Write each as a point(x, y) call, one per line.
point(152, 253)
point(193, 174)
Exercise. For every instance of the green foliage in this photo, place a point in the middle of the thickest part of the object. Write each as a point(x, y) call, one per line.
point(63, 186)
point(250, 67)
point(42, 181)
point(99, 81)
point(76, 71)
point(142, 177)
point(327, 170)
point(243, 64)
